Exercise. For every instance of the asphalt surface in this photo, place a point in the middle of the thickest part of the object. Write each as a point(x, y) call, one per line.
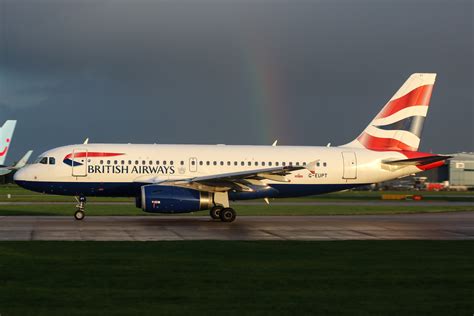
point(436, 226)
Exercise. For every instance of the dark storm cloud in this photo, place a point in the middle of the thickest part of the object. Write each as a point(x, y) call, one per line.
point(305, 72)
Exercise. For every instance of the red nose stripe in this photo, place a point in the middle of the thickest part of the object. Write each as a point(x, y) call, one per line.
point(92, 154)
point(381, 144)
point(418, 96)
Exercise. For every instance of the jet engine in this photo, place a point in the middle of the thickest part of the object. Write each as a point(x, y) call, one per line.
point(169, 199)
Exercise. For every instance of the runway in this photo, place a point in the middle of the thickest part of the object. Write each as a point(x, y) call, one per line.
point(436, 226)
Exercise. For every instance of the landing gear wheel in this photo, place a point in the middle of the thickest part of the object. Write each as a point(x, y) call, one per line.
point(79, 215)
point(215, 212)
point(227, 215)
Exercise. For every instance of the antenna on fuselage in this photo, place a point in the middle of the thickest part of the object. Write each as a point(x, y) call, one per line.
point(275, 142)
point(86, 141)
point(328, 145)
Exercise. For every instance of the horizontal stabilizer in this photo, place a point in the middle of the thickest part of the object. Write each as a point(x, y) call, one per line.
point(420, 161)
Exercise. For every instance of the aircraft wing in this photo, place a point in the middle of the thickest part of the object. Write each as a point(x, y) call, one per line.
point(239, 181)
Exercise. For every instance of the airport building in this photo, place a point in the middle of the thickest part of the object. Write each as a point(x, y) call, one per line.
point(456, 174)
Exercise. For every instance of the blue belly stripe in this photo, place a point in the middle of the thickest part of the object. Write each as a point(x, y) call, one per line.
point(132, 189)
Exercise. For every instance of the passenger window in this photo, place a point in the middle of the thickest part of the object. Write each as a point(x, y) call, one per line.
point(157, 162)
point(325, 164)
point(193, 162)
point(297, 163)
point(200, 162)
point(242, 163)
point(235, 163)
point(290, 163)
point(263, 163)
point(215, 163)
point(181, 163)
point(136, 162)
point(101, 162)
point(164, 162)
point(277, 163)
point(228, 163)
point(44, 161)
point(270, 163)
point(115, 162)
point(283, 163)
point(129, 162)
point(249, 163)
point(171, 162)
point(256, 163)
point(122, 162)
point(304, 163)
point(151, 162)
point(208, 163)
point(52, 161)
point(222, 163)
point(318, 164)
point(108, 162)
point(143, 162)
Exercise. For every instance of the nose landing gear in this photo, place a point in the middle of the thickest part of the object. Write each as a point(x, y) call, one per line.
point(81, 203)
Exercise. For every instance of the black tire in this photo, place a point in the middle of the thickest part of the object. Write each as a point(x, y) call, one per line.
point(215, 212)
point(228, 215)
point(79, 215)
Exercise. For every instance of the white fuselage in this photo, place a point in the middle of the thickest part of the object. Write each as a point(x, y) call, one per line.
point(119, 169)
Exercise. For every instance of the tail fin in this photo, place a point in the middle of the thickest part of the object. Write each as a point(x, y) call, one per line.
point(399, 124)
point(6, 134)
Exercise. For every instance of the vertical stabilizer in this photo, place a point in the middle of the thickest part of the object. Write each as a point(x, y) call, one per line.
point(399, 124)
point(6, 134)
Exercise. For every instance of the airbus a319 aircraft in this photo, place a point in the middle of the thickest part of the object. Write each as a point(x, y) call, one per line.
point(188, 178)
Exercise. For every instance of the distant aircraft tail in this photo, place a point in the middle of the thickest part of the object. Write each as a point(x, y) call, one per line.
point(399, 124)
point(6, 134)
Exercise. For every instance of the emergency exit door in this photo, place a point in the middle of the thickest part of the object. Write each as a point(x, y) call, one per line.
point(349, 165)
point(79, 162)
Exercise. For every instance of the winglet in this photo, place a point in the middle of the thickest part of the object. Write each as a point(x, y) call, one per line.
point(312, 166)
point(22, 162)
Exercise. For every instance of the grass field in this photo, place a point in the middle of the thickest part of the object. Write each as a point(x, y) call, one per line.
point(237, 278)
point(18, 194)
point(242, 210)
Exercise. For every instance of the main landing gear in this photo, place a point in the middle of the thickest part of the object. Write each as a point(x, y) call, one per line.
point(225, 214)
point(81, 203)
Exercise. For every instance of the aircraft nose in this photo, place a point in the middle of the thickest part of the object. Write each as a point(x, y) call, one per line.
point(20, 175)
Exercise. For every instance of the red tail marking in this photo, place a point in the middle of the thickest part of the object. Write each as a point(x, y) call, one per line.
point(4, 151)
point(418, 96)
point(383, 144)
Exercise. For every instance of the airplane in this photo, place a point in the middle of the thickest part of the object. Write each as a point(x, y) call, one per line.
point(189, 178)
point(6, 136)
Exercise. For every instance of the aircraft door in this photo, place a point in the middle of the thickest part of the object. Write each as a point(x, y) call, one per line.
point(193, 164)
point(349, 165)
point(79, 162)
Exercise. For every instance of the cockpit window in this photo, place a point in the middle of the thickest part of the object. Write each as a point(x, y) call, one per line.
point(44, 160)
point(52, 161)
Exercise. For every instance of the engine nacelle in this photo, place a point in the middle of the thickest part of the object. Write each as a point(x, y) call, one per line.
point(169, 199)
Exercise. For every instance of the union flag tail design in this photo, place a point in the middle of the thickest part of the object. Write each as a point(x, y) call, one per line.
point(398, 125)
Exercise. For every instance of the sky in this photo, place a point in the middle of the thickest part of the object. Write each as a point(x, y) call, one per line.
point(229, 71)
